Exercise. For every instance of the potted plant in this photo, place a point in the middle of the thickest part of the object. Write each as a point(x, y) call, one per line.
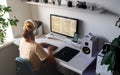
point(5, 21)
point(112, 57)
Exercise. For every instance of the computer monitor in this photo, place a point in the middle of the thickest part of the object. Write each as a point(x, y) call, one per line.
point(63, 25)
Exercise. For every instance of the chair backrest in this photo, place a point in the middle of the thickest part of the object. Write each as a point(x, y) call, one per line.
point(23, 67)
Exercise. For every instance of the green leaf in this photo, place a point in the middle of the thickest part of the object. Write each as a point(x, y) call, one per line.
point(2, 19)
point(112, 63)
point(115, 42)
point(7, 8)
point(13, 22)
point(107, 62)
point(106, 57)
point(2, 36)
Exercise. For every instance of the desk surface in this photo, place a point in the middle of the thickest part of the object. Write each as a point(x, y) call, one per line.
point(77, 64)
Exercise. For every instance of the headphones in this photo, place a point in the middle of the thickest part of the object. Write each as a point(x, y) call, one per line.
point(36, 31)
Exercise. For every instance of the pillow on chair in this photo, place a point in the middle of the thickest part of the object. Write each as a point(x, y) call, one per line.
point(23, 67)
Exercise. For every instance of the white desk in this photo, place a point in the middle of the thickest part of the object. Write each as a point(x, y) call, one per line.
point(77, 64)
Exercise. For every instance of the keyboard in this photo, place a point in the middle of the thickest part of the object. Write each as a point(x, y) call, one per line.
point(48, 45)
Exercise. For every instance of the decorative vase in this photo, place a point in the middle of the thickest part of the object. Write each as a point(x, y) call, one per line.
point(45, 1)
point(28, 0)
point(69, 4)
point(59, 2)
point(36, 0)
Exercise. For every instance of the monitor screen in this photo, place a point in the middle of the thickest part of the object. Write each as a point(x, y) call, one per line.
point(63, 25)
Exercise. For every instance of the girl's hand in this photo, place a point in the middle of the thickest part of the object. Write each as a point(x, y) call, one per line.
point(50, 50)
point(43, 44)
point(51, 56)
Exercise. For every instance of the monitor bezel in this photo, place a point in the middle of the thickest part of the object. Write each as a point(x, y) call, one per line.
point(66, 18)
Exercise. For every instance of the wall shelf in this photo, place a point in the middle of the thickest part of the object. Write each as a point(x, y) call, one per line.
point(64, 6)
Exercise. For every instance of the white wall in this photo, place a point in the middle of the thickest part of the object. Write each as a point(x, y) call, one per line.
point(101, 25)
point(22, 11)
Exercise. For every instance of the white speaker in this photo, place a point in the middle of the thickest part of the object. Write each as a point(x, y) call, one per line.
point(89, 45)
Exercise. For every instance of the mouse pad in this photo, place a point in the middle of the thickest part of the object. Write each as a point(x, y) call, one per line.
point(66, 53)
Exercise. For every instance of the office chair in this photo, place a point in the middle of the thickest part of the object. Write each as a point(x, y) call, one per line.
point(23, 67)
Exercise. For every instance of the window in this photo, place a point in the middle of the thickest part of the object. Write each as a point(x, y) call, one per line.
point(9, 34)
